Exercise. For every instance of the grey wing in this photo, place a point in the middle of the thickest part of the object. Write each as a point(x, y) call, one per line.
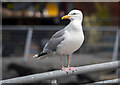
point(58, 34)
point(55, 40)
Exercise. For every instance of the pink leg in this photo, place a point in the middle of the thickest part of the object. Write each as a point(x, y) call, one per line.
point(63, 68)
point(70, 68)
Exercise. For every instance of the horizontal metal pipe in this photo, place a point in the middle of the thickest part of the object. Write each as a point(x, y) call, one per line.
point(60, 73)
point(113, 81)
point(58, 27)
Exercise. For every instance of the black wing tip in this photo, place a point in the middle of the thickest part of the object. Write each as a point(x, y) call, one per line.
point(41, 54)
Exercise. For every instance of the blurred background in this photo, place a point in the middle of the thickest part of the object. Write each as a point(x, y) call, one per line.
point(27, 26)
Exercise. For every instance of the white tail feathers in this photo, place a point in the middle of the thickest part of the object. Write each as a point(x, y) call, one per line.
point(40, 57)
point(35, 56)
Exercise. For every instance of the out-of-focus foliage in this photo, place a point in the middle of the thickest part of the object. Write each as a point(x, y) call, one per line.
point(100, 18)
point(102, 13)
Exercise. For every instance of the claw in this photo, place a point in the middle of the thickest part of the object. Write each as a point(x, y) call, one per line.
point(72, 68)
point(65, 69)
point(69, 68)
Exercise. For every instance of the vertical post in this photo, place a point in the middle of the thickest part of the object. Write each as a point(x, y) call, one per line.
point(28, 42)
point(115, 51)
point(1, 64)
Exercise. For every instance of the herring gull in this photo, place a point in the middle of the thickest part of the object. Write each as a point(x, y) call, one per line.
point(66, 41)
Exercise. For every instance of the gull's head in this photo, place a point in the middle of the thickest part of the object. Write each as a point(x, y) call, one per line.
point(73, 15)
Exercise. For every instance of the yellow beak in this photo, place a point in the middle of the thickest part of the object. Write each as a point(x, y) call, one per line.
point(65, 17)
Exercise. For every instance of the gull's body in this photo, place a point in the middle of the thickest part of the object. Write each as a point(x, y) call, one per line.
point(74, 38)
point(67, 40)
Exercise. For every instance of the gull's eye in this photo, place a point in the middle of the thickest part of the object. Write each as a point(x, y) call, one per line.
point(73, 13)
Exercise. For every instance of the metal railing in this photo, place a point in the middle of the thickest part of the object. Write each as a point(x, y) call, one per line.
point(54, 28)
point(113, 81)
point(60, 73)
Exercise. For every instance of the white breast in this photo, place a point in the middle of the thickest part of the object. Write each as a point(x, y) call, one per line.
point(72, 42)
